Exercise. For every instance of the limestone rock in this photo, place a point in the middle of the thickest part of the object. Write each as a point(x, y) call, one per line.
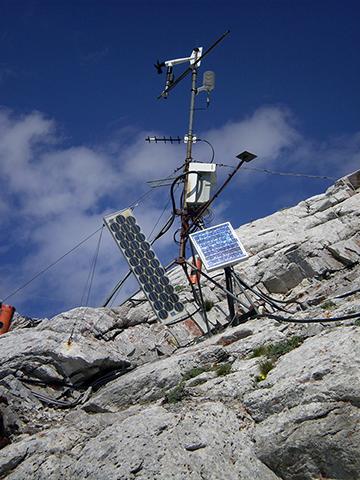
point(49, 356)
point(316, 440)
point(193, 443)
point(152, 380)
point(325, 368)
point(107, 393)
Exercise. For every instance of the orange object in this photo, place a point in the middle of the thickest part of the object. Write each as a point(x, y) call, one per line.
point(6, 315)
point(195, 273)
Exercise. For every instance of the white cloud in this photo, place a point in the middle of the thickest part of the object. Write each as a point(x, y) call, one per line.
point(142, 161)
point(335, 157)
point(267, 133)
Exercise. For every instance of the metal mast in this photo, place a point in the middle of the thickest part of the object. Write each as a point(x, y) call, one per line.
point(195, 60)
point(184, 213)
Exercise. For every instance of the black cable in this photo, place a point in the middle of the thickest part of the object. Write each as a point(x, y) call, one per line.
point(266, 298)
point(174, 236)
point(90, 276)
point(172, 196)
point(86, 285)
point(169, 223)
point(58, 403)
point(178, 168)
point(212, 148)
point(108, 377)
point(308, 320)
point(165, 228)
point(287, 174)
point(285, 302)
point(348, 294)
point(174, 211)
point(158, 220)
point(51, 265)
point(135, 204)
point(94, 266)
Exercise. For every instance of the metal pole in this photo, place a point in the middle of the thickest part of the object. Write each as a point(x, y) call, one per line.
point(184, 213)
point(203, 307)
point(240, 284)
point(229, 286)
point(217, 284)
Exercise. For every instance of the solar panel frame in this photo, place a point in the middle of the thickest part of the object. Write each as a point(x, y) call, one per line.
point(145, 265)
point(218, 246)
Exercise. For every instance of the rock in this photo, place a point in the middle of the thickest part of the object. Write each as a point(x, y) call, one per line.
point(348, 251)
point(195, 443)
point(40, 364)
point(263, 332)
point(100, 323)
point(191, 447)
point(316, 440)
point(308, 409)
point(100, 392)
point(151, 381)
point(210, 296)
point(234, 336)
point(201, 378)
point(19, 410)
point(232, 386)
point(288, 246)
point(20, 321)
point(283, 279)
point(48, 356)
point(323, 369)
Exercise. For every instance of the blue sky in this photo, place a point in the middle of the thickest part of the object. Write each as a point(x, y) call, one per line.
point(78, 96)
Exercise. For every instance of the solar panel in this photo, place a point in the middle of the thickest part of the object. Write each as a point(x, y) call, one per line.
point(218, 246)
point(145, 265)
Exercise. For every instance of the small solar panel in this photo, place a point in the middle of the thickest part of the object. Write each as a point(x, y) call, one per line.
point(145, 265)
point(218, 246)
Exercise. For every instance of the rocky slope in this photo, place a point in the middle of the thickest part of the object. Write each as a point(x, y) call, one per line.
point(106, 393)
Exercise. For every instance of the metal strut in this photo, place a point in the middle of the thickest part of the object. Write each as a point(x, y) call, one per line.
point(228, 290)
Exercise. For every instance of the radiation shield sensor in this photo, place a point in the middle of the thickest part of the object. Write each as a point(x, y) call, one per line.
point(145, 265)
point(201, 179)
point(218, 246)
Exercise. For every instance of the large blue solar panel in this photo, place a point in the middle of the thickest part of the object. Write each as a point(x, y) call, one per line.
point(218, 246)
point(145, 265)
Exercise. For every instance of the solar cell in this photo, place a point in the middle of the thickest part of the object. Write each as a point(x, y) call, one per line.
point(218, 246)
point(145, 265)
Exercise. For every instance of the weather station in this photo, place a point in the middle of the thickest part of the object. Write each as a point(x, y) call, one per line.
point(208, 255)
point(209, 249)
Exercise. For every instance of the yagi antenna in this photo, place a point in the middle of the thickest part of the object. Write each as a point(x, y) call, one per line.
point(194, 59)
